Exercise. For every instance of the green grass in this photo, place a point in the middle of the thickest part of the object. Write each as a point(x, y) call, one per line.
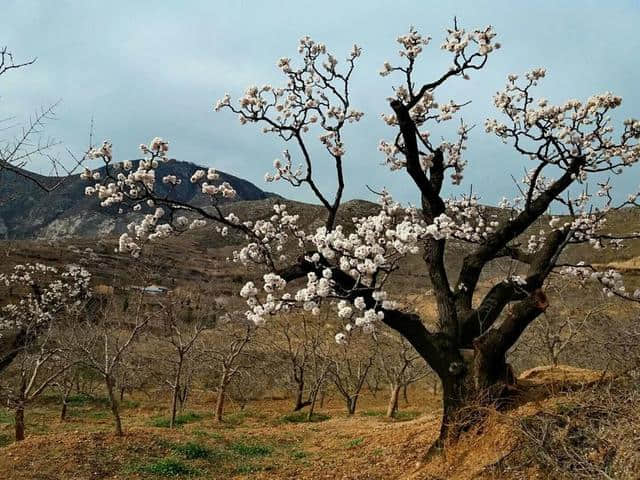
point(250, 449)
point(356, 442)
point(84, 399)
point(6, 416)
point(5, 440)
point(193, 450)
point(167, 467)
point(163, 422)
point(302, 417)
point(403, 416)
point(299, 454)
point(250, 468)
point(372, 413)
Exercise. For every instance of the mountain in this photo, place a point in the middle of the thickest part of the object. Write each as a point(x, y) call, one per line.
point(27, 211)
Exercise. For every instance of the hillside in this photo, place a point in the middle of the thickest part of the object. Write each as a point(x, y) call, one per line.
point(27, 211)
point(562, 429)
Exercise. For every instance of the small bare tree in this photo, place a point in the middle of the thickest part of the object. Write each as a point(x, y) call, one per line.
point(400, 364)
point(101, 340)
point(182, 323)
point(226, 353)
point(24, 148)
point(297, 342)
point(36, 368)
point(351, 362)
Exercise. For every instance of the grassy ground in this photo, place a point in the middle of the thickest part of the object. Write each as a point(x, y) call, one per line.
point(262, 441)
point(567, 423)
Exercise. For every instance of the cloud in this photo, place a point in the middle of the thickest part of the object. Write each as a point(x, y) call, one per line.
point(148, 68)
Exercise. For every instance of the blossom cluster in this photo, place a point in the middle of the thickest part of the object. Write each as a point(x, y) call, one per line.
point(611, 280)
point(39, 293)
point(316, 93)
point(556, 134)
point(126, 186)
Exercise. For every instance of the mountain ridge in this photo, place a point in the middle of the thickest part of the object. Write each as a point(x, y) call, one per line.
point(28, 212)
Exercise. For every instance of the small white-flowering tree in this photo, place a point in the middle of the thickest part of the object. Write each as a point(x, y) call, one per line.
point(38, 298)
point(569, 146)
point(35, 296)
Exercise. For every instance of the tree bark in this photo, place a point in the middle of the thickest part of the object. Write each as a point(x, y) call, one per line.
point(115, 406)
point(392, 408)
point(176, 394)
point(220, 398)
point(65, 398)
point(19, 420)
point(351, 404)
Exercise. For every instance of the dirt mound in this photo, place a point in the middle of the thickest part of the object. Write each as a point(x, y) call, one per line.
point(561, 376)
point(630, 264)
point(566, 433)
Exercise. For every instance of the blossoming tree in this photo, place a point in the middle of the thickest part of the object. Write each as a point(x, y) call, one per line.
point(568, 144)
point(37, 295)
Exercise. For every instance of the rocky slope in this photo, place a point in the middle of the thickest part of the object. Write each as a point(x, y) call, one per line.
point(27, 211)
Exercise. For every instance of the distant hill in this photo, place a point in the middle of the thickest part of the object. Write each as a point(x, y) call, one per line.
point(27, 211)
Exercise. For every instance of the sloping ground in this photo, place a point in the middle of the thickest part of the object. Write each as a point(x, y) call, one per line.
point(574, 433)
point(254, 444)
point(630, 264)
point(582, 428)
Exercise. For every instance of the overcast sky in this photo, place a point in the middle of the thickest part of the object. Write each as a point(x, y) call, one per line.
point(143, 69)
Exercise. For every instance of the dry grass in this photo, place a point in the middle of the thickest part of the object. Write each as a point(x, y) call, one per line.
point(572, 429)
point(252, 443)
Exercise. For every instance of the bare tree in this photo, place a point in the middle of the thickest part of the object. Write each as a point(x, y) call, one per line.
point(297, 342)
point(226, 354)
point(401, 366)
point(23, 149)
point(350, 364)
point(101, 340)
point(181, 324)
point(36, 369)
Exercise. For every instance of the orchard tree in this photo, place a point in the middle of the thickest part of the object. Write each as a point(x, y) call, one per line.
point(100, 341)
point(37, 295)
point(181, 323)
point(299, 343)
point(228, 356)
point(570, 144)
point(398, 361)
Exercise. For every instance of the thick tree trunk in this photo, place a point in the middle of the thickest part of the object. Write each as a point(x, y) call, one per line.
point(481, 381)
point(115, 406)
point(19, 420)
point(392, 408)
